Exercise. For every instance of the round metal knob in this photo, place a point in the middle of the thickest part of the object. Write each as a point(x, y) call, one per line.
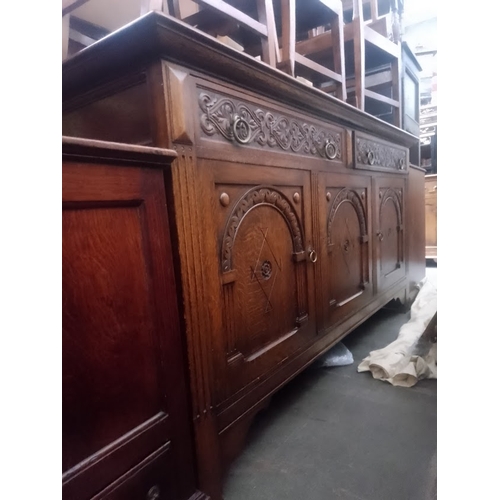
point(370, 157)
point(331, 149)
point(153, 493)
point(313, 256)
point(380, 235)
point(241, 129)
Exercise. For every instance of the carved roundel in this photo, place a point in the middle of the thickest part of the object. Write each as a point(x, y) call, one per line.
point(258, 196)
point(266, 270)
point(349, 196)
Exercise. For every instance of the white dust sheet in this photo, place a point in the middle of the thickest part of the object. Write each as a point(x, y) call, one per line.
point(408, 359)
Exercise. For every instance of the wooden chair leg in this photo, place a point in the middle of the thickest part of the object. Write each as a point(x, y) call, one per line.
point(65, 36)
point(288, 36)
point(265, 11)
point(396, 94)
point(338, 53)
point(359, 61)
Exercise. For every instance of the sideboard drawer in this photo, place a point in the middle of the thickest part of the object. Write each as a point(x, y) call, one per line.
point(376, 154)
point(248, 122)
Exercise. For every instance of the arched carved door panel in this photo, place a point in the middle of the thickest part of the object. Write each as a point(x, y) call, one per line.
point(388, 237)
point(346, 265)
point(265, 272)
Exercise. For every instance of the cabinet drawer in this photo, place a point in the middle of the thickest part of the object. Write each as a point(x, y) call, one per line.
point(376, 154)
point(151, 479)
point(250, 123)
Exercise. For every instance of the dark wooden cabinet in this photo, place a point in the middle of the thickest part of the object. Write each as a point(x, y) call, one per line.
point(285, 210)
point(126, 425)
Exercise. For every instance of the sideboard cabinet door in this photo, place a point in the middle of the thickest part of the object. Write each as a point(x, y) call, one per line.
point(389, 231)
point(345, 227)
point(263, 220)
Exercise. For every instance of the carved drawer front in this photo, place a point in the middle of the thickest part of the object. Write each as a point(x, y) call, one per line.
point(257, 125)
point(389, 231)
point(345, 266)
point(265, 269)
point(377, 154)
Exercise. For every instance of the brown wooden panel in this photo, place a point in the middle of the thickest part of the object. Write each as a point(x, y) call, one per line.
point(264, 269)
point(152, 479)
point(121, 115)
point(124, 390)
point(388, 237)
point(346, 253)
point(104, 336)
point(415, 212)
point(431, 216)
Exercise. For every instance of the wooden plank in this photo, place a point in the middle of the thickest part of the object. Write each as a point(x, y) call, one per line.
point(315, 44)
point(381, 98)
point(230, 12)
point(334, 5)
point(288, 27)
point(359, 61)
point(69, 6)
point(65, 36)
point(371, 81)
point(337, 41)
point(396, 84)
point(381, 42)
point(303, 61)
point(270, 53)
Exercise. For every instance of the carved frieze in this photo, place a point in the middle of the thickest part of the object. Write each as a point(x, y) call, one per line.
point(248, 124)
point(376, 154)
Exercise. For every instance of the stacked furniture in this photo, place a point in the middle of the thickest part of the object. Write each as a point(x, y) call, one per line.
point(285, 218)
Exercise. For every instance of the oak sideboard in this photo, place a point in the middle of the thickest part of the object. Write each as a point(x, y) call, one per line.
point(290, 218)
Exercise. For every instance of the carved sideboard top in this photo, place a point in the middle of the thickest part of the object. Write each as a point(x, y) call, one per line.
point(156, 35)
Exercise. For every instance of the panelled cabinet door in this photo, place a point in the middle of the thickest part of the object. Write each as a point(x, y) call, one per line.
point(345, 266)
point(389, 231)
point(123, 391)
point(265, 268)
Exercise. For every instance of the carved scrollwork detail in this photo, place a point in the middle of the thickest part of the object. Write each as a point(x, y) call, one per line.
point(265, 128)
point(258, 196)
point(350, 196)
point(376, 154)
point(395, 195)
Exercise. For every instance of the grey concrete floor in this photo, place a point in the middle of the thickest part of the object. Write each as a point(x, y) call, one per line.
point(333, 433)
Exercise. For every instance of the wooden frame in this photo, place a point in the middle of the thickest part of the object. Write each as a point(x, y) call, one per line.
point(264, 27)
point(295, 54)
point(361, 35)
